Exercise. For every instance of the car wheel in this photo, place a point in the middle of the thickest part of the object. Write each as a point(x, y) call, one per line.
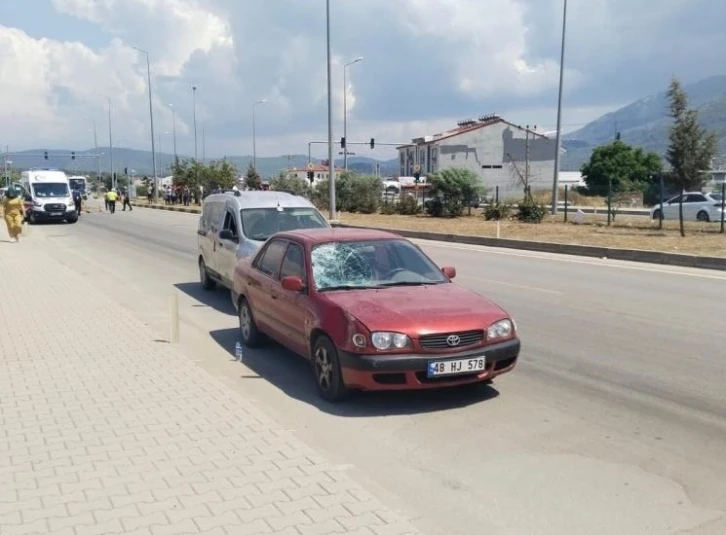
point(703, 216)
point(326, 367)
point(204, 278)
point(32, 219)
point(656, 214)
point(247, 327)
point(72, 219)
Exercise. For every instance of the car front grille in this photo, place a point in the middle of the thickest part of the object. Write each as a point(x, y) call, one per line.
point(441, 341)
point(55, 207)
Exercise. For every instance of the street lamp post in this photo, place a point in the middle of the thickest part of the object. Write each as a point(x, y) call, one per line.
point(151, 118)
point(204, 145)
point(194, 113)
point(254, 132)
point(98, 156)
point(558, 142)
point(331, 161)
point(110, 145)
point(345, 109)
point(173, 129)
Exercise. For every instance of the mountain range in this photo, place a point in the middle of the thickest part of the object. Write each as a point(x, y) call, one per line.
point(644, 123)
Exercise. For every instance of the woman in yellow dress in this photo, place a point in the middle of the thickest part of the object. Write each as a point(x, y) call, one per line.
point(14, 213)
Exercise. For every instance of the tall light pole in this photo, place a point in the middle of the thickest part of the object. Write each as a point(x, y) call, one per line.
point(254, 132)
point(173, 129)
point(110, 145)
point(194, 115)
point(558, 142)
point(345, 109)
point(151, 117)
point(98, 156)
point(204, 145)
point(331, 161)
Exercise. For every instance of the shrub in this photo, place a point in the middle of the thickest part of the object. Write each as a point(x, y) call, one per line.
point(389, 208)
point(498, 211)
point(408, 205)
point(142, 191)
point(353, 193)
point(530, 212)
point(291, 183)
point(454, 189)
point(435, 207)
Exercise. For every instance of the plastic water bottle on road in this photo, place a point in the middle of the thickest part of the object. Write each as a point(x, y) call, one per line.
point(238, 351)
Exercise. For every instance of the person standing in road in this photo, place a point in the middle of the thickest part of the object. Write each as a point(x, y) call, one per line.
point(105, 201)
point(112, 196)
point(14, 213)
point(127, 201)
point(78, 201)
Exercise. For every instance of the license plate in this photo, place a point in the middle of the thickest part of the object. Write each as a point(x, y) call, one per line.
point(438, 368)
point(56, 213)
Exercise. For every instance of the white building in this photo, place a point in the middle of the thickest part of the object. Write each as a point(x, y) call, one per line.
point(322, 172)
point(501, 153)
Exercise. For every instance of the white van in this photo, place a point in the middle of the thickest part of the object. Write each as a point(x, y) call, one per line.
point(50, 193)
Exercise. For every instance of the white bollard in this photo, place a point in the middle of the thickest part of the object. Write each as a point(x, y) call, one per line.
point(174, 313)
point(498, 229)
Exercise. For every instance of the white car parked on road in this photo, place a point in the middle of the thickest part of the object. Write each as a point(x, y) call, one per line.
point(697, 206)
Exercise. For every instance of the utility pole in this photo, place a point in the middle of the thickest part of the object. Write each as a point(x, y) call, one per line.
point(558, 142)
point(110, 145)
point(204, 146)
point(526, 160)
point(98, 156)
point(331, 159)
point(194, 114)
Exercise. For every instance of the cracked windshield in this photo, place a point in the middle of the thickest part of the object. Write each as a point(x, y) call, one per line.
point(363, 267)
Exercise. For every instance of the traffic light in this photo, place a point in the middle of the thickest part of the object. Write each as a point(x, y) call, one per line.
point(373, 143)
point(73, 155)
point(126, 171)
point(416, 176)
point(311, 176)
point(45, 155)
point(342, 142)
point(617, 136)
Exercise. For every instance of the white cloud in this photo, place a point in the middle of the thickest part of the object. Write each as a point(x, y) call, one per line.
point(427, 64)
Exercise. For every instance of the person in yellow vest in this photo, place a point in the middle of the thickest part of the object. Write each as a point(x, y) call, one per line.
point(112, 197)
point(14, 213)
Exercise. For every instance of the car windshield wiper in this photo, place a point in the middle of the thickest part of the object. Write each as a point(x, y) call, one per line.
point(349, 287)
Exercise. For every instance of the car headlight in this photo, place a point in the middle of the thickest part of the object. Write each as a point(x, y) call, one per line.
point(500, 329)
point(386, 340)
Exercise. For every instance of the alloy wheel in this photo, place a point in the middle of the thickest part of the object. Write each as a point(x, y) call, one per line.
point(323, 369)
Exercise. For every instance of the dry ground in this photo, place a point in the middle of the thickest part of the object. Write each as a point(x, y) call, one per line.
point(627, 232)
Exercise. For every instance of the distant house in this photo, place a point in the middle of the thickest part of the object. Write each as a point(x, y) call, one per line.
point(501, 153)
point(322, 172)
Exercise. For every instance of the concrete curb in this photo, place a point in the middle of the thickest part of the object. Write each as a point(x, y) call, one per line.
point(631, 255)
point(169, 208)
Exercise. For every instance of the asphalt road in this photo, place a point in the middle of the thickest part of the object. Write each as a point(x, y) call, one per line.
point(614, 421)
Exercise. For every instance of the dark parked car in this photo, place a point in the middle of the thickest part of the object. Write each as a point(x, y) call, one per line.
point(371, 312)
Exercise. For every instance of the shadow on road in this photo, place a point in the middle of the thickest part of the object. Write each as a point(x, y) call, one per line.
point(218, 299)
point(292, 374)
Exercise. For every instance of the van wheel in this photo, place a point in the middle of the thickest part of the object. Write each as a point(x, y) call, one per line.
point(204, 278)
point(32, 219)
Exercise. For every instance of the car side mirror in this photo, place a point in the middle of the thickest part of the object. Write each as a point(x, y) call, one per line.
point(292, 284)
point(449, 271)
point(227, 235)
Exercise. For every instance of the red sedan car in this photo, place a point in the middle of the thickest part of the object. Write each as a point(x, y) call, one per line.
point(371, 312)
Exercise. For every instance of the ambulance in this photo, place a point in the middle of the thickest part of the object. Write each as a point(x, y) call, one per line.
point(49, 192)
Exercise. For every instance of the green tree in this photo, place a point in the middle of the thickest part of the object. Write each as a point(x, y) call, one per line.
point(626, 168)
point(353, 193)
point(291, 183)
point(253, 180)
point(453, 189)
point(691, 146)
point(193, 173)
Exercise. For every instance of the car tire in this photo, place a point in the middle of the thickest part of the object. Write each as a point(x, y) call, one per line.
point(248, 331)
point(703, 216)
point(72, 220)
point(206, 281)
point(32, 219)
point(656, 214)
point(326, 371)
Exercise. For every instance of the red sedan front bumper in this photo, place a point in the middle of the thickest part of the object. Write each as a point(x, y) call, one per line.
point(409, 372)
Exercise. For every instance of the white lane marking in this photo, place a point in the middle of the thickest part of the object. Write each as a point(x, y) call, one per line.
point(512, 284)
point(542, 256)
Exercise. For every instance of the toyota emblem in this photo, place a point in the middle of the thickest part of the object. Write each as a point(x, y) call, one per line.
point(453, 340)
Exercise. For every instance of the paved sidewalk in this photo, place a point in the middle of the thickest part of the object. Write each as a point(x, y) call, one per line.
point(105, 431)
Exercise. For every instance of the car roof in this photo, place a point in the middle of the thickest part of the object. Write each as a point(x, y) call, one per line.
point(314, 236)
point(261, 199)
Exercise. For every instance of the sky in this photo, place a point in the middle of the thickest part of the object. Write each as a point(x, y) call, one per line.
point(426, 65)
